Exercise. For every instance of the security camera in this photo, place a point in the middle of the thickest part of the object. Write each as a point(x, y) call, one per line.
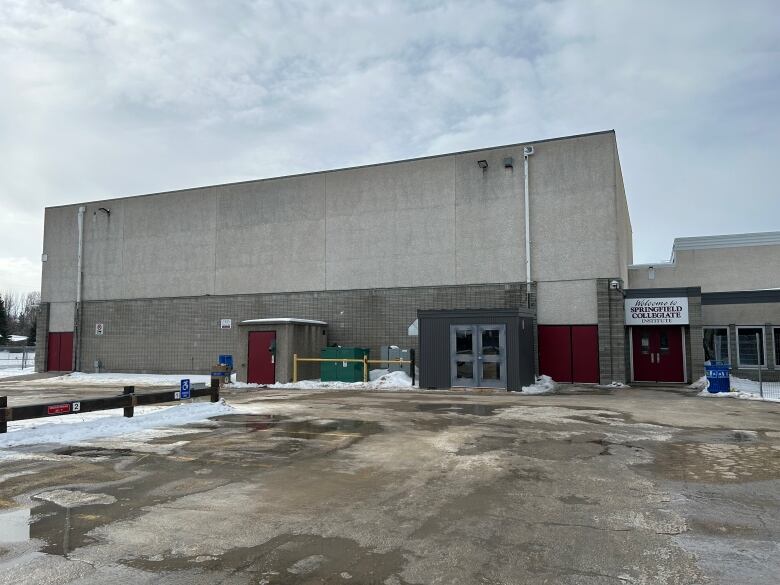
point(614, 284)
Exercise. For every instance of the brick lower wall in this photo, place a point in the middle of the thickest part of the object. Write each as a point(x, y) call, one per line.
point(612, 332)
point(42, 338)
point(183, 335)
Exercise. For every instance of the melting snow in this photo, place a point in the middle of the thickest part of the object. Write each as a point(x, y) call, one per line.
point(543, 385)
point(120, 379)
point(109, 423)
point(74, 498)
point(740, 388)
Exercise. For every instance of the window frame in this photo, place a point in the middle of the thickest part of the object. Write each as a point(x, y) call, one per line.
point(739, 357)
point(728, 337)
point(776, 328)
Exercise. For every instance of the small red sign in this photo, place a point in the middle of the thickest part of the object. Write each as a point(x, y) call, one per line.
point(59, 409)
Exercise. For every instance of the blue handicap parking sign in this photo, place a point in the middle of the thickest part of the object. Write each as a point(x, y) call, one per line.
point(185, 389)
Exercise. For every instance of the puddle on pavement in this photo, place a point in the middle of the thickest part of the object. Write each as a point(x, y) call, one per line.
point(279, 426)
point(716, 457)
point(458, 408)
point(304, 558)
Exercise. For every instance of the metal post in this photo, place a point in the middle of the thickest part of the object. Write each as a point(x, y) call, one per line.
point(215, 389)
point(365, 368)
point(129, 410)
point(759, 355)
point(412, 365)
point(295, 368)
point(3, 406)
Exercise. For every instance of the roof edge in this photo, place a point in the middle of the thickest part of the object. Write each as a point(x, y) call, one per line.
point(340, 169)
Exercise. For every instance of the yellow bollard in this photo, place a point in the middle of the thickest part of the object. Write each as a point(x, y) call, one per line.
point(295, 367)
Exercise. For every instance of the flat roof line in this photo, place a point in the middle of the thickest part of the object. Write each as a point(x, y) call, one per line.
point(340, 169)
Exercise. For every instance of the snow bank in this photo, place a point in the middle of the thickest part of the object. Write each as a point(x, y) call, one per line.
point(543, 385)
point(8, 372)
point(378, 380)
point(120, 379)
point(740, 388)
point(613, 384)
point(73, 428)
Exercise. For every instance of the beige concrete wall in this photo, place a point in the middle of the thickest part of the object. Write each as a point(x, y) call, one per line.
point(742, 314)
point(716, 269)
point(61, 316)
point(625, 234)
point(434, 221)
point(567, 303)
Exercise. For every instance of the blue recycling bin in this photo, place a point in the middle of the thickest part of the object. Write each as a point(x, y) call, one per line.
point(718, 376)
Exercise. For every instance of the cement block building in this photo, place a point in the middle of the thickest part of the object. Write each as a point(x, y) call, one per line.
point(161, 282)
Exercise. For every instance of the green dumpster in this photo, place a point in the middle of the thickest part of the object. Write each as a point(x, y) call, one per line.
point(342, 371)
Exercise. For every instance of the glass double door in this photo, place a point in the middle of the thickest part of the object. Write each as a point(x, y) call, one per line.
point(478, 356)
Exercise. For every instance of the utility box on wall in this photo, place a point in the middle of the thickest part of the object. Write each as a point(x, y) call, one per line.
point(476, 348)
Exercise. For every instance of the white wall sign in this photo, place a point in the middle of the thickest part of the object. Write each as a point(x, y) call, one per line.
point(665, 311)
point(98, 329)
point(226, 323)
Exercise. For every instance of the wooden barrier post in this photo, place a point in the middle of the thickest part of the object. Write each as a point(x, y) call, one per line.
point(365, 369)
point(129, 410)
point(3, 406)
point(412, 365)
point(295, 368)
point(215, 389)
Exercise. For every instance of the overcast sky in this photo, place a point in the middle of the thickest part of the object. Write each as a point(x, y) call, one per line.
point(105, 98)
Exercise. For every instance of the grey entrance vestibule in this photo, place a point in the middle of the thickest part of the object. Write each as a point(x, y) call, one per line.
point(478, 355)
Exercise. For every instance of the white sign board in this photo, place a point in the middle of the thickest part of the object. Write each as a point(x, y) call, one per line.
point(664, 311)
point(98, 329)
point(226, 323)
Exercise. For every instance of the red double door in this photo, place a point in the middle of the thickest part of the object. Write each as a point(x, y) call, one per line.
point(569, 353)
point(261, 361)
point(658, 354)
point(59, 356)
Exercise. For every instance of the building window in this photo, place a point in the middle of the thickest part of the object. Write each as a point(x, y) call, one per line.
point(776, 331)
point(750, 352)
point(716, 344)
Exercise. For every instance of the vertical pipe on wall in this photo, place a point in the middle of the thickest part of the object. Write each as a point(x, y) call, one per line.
point(79, 271)
point(527, 152)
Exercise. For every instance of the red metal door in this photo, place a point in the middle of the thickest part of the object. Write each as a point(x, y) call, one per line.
point(261, 366)
point(669, 359)
point(645, 344)
point(60, 352)
point(658, 354)
point(585, 353)
point(555, 352)
point(53, 356)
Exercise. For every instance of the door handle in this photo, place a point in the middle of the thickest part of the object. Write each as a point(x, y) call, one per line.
point(658, 358)
point(652, 357)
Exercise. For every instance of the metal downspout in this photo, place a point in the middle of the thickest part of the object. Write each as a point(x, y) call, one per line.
point(79, 277)
point(527, 152)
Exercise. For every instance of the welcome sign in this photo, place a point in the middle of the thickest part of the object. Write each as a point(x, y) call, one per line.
point(666, 311)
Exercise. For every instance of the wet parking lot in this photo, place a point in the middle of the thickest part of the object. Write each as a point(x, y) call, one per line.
point(618, 486)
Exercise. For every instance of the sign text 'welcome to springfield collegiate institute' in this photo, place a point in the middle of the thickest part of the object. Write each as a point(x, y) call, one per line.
point(666, 311)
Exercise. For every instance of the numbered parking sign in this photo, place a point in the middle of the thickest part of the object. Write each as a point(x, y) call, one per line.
point(184, 389)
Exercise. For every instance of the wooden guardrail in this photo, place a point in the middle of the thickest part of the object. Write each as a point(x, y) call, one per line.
point(365, 361)
point(128, 400)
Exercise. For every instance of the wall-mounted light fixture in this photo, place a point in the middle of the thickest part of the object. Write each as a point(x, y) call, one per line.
point(482, 164)
point(105, 210)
